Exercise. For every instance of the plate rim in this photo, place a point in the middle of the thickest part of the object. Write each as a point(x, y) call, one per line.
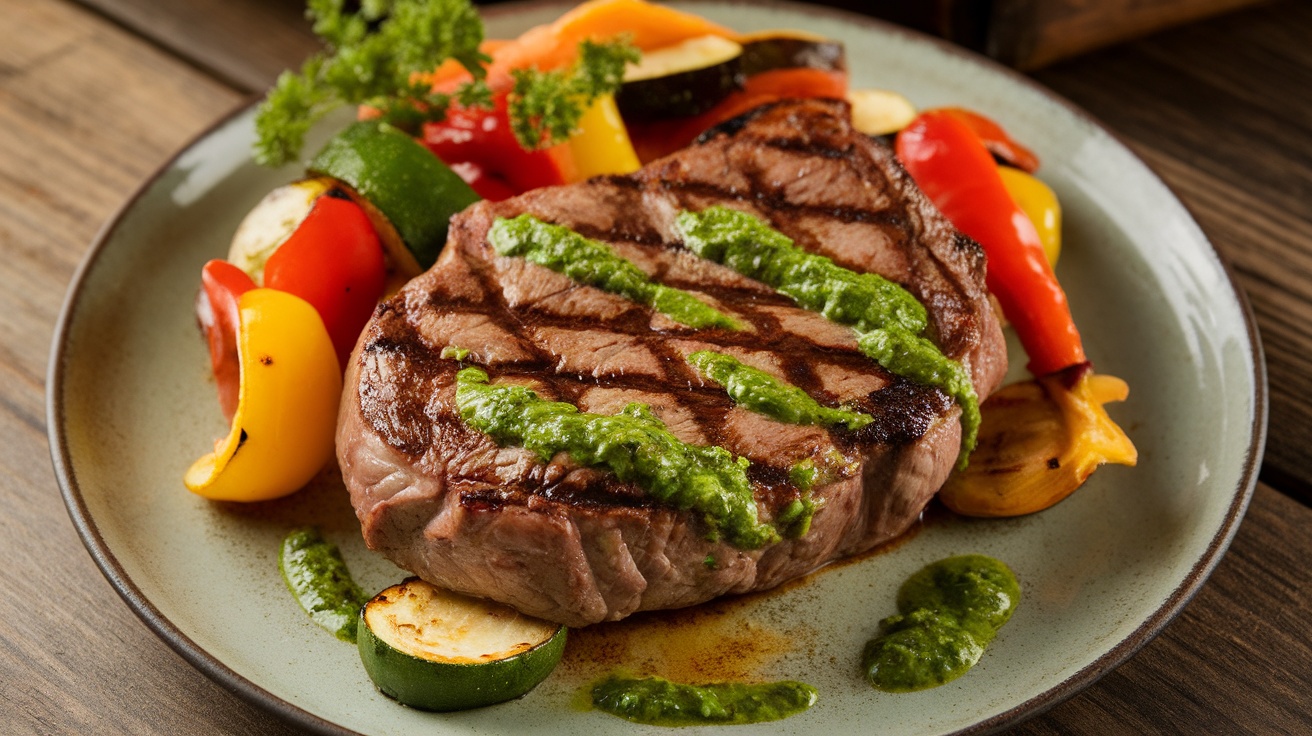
point(234, 683)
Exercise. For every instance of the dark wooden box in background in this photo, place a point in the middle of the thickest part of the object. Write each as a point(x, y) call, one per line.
point(1029, 34)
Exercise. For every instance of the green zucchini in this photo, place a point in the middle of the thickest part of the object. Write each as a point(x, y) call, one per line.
point(408, 193)
point(436, 650)
point(769, 50)
point(682, 80)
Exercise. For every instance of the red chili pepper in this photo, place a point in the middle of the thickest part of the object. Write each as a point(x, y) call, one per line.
point(952, 166)
point(660, 138)
point(484, 138)
point(996, 140)
point(334, 261)
point(222, 285)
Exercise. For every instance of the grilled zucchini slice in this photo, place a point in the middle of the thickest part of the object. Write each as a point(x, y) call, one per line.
point(407, 192)
point(435, 650)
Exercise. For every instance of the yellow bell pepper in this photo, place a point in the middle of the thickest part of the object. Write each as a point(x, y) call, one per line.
point(601, 143)
point(282, 432)
point(1039, 441)
point(1039, 203)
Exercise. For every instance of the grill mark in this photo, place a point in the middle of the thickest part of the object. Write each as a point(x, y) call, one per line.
point(803, 146)
point(709, 405)
point(776, 203)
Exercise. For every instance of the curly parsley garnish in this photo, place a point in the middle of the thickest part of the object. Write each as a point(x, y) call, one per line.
point(545, 107)
point(379, 53)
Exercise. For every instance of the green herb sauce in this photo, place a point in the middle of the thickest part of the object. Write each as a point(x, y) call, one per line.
point(950, 611)
point(758, 391)
point(866, 301)
point(657, 701)
point(889, 321)
point(634, 444)
point(596, 264)
point(317, 576)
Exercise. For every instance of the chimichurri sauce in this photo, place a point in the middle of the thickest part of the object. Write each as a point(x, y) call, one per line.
point(760, 392)
point(657, 701)
point(595, 264)
point(634, 444)
point(950, 611)
point(316, 574)
point(889, 321)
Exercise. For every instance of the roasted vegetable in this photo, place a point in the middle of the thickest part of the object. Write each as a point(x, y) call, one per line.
point(601, 144)
point(286, 416)
point(1039, 441)
point(485, 139)
point(334, 261)
point(271, 222)
point(436, 650)
point(880, 112)
point(1040, 204)
point(647, 26)
point(408, 193)
point(951, 165)
point(662, 137)
point(767, 50)
point(686, 79)
point(217, 311)
point(996, 140)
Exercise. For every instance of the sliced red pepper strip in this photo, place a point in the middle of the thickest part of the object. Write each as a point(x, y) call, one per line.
point(996, 140)
point(334, 261)
point(656, 139)
point(487, 186)
point(952, 166)
point(222, 285)
point(484, 138)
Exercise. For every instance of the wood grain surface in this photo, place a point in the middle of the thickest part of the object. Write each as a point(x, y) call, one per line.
point(94, 96)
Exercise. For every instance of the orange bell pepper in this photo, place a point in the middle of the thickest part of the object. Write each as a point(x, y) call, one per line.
point(555, 45)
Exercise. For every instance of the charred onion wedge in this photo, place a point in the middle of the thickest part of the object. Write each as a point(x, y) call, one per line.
point(1039, 441)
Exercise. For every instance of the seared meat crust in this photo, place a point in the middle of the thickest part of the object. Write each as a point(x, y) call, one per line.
point(572, 544)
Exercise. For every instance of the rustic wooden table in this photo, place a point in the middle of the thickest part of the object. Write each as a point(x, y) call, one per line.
point(94, 94)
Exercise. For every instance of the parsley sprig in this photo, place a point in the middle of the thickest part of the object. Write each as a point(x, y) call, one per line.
point(545, 107)
point(378, 54)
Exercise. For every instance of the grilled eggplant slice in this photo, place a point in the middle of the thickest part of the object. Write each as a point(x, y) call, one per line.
point(769, 50)
point(683, 80)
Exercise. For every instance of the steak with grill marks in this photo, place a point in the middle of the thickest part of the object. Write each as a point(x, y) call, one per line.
point(575, 545)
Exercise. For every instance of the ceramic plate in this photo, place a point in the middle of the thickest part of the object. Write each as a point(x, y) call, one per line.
point(131, 405)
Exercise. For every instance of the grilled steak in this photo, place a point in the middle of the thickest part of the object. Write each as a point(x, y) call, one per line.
point(575, 545)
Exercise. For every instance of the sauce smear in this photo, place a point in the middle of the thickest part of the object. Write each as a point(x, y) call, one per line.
point(949, 611)
point(658, 701)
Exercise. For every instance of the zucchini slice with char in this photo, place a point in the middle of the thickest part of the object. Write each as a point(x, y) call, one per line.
point(768, 50)
point(407, 192)
point(432, 649)
point(682, 80)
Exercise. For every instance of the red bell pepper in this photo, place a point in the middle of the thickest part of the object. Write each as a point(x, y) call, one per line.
point(334, 261)
point(952, 166)
point(222, 285)
point(484, 140)
point(660, 138)
point(996, 140)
